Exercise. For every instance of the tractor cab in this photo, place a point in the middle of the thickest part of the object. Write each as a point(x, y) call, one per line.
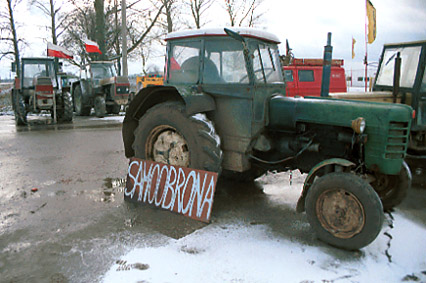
point(221, 59)
point(38, 81)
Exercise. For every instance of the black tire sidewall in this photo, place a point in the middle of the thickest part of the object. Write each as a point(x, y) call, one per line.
point(366, 195)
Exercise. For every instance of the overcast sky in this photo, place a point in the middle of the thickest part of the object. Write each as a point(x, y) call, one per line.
point(305, 23)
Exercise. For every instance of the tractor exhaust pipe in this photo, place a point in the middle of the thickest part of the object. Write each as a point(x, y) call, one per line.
point(326, 69)
point(396, 76)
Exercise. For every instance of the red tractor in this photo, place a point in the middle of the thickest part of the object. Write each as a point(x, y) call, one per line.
point(37, 89)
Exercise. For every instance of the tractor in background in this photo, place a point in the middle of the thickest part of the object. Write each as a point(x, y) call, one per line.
point(38, 89)
point(100, 88)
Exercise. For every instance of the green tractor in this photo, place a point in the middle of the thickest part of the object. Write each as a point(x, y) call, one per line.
point(100, 88)
point(223, 108)
point(401, 78)
point(38, 89)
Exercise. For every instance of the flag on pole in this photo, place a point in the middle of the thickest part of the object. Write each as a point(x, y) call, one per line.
point(371, 15)
point(353, 47)
point(91, 46)
point(58, 51)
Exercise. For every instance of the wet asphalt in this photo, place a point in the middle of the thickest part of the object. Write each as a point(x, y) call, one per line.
point(63, 217)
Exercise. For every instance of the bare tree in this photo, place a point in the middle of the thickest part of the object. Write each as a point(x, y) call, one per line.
point(8, 33)
point(100, 28)
point(198, 8)
point(86, 20)
point(169, 12)
point(52, 9)
point(243, 12)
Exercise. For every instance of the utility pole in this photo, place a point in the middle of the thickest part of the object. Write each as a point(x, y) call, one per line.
point(124, 37)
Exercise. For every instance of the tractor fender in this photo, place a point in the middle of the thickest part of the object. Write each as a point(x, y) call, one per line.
point(195, 102)
point(316, 171)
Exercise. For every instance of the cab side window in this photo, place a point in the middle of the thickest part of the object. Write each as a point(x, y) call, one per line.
point(184, 63)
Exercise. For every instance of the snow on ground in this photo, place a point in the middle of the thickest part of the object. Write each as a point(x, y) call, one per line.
point(239, 253)
point(232, 250)
point(110, 118)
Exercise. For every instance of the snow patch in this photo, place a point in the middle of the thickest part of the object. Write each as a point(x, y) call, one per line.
point(238, 252)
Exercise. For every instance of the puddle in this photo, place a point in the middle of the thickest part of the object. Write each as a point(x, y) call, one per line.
point(45, 123)
point(111, 187)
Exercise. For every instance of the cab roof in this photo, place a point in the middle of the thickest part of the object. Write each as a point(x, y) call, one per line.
point(245, 32)
point(400, 44)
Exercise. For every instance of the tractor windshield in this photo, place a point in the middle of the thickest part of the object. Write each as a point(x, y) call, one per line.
point(409, 62)
point(103, 70)
point(224, 63)
point(35, 69)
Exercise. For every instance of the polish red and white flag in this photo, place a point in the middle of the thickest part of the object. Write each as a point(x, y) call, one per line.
point(91, 46)
point(58, 51)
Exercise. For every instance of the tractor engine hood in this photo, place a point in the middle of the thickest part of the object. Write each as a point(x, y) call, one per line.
point(387, 125)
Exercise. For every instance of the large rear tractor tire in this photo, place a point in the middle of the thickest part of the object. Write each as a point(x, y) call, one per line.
point(19, 109)
point(166, 134)
point(65, 113)
point(392, 189)
point(100, 107)
point(80, 108)
point(344, 210)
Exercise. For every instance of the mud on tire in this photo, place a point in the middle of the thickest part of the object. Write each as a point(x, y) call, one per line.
point(166, 134)
point(344, 210)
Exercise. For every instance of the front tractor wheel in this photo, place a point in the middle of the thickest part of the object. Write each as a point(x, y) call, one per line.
point(166, 134)
point(80, 108)
point(64, 114)
point(392, 189)
point(344, 211)
point(100, 106)
point(113, 109)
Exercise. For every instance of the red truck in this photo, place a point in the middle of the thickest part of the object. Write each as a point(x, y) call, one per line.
point(303, 77)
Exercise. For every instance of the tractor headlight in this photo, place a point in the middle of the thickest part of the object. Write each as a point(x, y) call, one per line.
point(358, 125)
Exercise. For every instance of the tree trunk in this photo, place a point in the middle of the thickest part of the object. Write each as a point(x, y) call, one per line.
point(100, 28)
point(54, 37)
point(15, 38)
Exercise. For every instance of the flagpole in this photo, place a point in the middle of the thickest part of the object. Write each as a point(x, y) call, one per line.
point(366, 53)
point(124, 37)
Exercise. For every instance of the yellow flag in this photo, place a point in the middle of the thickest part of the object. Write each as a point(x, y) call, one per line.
point(371, 15)
point(353, 47)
